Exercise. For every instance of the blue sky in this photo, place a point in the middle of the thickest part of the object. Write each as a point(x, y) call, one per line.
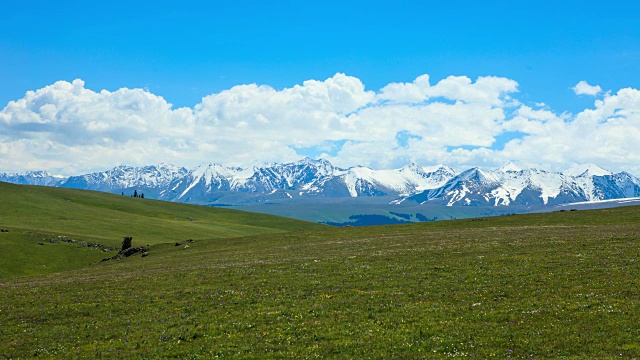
point(186, 51)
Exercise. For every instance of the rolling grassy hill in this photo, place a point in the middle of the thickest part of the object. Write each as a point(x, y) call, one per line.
point(34, 214)
point(556, 285)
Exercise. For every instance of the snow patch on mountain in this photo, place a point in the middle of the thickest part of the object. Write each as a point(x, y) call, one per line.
point(586, 170)
point(510, 167)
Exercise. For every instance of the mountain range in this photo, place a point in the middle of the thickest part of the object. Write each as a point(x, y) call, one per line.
point(309, 180)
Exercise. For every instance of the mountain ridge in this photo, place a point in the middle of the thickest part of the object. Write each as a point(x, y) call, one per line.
point(308, 179)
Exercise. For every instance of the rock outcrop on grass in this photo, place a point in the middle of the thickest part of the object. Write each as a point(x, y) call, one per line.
point(127, 250)
point(90, 245)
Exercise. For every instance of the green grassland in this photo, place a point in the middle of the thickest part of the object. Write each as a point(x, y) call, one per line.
point(555, 285)
point(34, 213)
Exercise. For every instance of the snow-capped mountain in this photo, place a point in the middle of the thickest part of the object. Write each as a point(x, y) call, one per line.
point(467, 188)
point(535, 187)
point(214, 178)
point(123, 178)
point(615, 186)
point(306, 178)
point(601, 184)
point(362, 181)
point(290, 176)
point(509, 185)
point(203, 180)
point(312, 179)
point(584, 175)
point(41, 178)
point(586, 170)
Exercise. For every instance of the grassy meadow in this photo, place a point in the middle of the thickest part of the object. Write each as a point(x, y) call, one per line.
point(555, 285)
point(36, 214)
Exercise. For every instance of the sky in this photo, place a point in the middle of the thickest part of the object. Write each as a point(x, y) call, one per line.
point(86, 86)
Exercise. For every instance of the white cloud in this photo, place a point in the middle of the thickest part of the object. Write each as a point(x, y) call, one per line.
point(605, 135)
point(413, 92)
point(489, 90)
point(583, 88)
point(67, 128)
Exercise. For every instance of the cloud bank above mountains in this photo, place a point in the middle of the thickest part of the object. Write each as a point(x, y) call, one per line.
point(69, 129)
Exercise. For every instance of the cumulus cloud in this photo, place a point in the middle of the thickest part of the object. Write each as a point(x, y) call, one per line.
point(583, 88)
point(70, 129)
point(489, 90)
point(603, 135)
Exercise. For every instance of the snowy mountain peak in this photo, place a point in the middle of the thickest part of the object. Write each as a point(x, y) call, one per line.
point(439, 169)
point(586, 170)
point(411, 167)
point(476, 174)
point(310, 161)
point(510, 167)
point(322, 166)
point(414, 168)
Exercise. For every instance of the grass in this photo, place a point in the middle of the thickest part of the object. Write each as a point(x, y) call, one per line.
point(34, 213)
point(21, 255)
point(105, 217)
point(558, 285)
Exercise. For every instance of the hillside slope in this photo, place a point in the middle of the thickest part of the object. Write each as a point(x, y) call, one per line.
point(108, 217)
point(34, 213)
point(555, 285)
